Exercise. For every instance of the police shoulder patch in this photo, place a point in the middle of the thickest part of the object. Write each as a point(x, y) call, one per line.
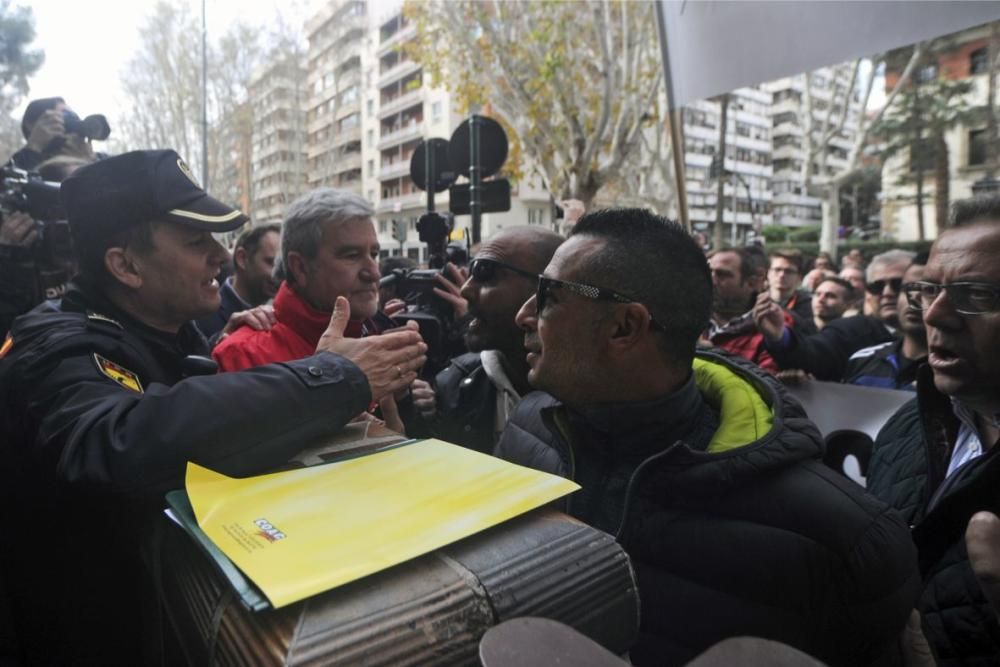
point(97, 317)
point(119, 374)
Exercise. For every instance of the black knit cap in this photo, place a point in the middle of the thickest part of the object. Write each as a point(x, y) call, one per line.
point(114, 194)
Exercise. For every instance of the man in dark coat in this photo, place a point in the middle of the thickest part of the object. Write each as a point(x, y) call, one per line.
point(477, 391)
point(936, 460)
point(701, 465)
point(101, 406)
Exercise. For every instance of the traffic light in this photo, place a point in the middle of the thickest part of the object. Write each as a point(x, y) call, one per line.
point(399, 229)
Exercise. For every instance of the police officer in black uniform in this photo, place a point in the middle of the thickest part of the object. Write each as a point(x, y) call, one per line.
point(105, 397)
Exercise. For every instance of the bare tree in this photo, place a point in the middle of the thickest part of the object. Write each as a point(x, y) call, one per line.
point(819, 179)
point(162, 84)
point(579, 83)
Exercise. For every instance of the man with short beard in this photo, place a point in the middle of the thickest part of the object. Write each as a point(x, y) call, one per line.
point(936, 461)
point(737, 278)
point(894, 364)
point(478, 390)
point(832, 297)
point(252, 283)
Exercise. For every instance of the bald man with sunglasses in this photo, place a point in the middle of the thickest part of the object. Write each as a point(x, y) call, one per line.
point(478, 390)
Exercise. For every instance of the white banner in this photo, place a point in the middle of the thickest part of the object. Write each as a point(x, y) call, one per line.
point(713, 47)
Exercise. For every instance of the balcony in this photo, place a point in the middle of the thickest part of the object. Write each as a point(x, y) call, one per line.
point(789, 152)
point(402, 202)
point(347, 162)
point(400, 103)
point(412, 131)
point(407, 33)
point(394, 170)
point(397, 72)
point(347, 136)
point(320, 41)
point(319, 123)
point(347, 109)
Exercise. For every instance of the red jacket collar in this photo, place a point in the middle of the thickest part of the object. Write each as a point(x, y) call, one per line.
point(291, 309)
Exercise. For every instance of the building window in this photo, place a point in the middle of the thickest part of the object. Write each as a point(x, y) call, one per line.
point(435, 112)
point(371, 167)
point(371, 198)
point(922, 156)
point(371, 138)
point(979, 61)
point(926, 74)
point(977, 147)
point(383, 225)
point(371, 108)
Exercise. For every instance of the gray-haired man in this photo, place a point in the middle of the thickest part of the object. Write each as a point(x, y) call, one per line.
point(328, 250)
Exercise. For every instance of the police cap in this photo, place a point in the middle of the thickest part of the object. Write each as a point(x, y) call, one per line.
point(114, 194)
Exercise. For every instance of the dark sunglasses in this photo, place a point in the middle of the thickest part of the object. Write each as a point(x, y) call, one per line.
point(966, 298)
point(878, 286)
point(484, 270)
point(546, 285)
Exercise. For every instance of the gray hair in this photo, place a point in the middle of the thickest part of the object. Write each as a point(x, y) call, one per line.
point(890, 258)
point(310, 214)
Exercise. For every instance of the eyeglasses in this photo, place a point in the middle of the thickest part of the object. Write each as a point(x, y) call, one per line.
point(878, 286)
point(546, 285)
point(484, 270)
point(966, 298)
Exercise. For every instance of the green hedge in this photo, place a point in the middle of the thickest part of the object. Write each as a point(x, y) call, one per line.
point(868, 248)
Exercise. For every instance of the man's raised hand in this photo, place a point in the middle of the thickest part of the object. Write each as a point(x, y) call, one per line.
point(769, 317)
point(390, 361)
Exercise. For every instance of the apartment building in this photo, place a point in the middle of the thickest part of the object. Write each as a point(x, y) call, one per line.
point(962, 56)
point(278, 94)
point(364, 106)
point(335, 61)
point(793, 205)
point(747, 190)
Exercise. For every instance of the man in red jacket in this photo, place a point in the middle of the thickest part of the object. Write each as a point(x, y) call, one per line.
point(328, 250)
point(738, 275)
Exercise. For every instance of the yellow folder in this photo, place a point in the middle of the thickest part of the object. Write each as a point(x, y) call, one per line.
point(302, 532)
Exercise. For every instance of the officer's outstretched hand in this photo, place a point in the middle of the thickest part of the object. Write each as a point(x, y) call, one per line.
point(390, 360)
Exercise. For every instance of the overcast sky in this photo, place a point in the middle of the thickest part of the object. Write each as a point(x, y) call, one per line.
point(87, 43)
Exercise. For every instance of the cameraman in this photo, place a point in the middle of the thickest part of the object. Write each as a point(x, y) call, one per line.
point(51, 128)
point(36, 258)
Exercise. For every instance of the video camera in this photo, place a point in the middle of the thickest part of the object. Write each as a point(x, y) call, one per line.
point(434, 315)
point(27, 192)
point(94, 126)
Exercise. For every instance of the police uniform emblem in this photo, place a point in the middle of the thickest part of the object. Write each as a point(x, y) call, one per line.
point(186, 170)
point(119, 374)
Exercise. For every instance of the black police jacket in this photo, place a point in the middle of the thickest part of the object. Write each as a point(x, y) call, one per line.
point(97, 420)
point(759, 538)
point(907, 471)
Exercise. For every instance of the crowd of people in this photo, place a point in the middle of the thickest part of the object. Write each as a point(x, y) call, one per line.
point(621, 356)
